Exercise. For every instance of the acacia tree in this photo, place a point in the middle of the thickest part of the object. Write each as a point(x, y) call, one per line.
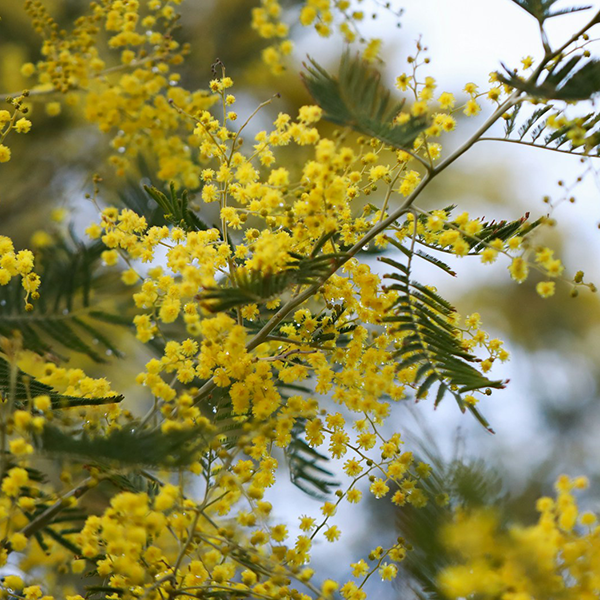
point(244, 271)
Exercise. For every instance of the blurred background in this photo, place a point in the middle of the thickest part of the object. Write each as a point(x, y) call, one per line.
point(546, 420)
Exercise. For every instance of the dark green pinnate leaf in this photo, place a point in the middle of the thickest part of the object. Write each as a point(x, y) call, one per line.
point(33, 474)
point(255, 287)
point(307, 470)
point(468, 485)
point(62, 540)
point(63, 315)
point(490, 230)
point(23, 386)
point(430, 344)
point(133, 196)
point(356, 98)
point(525, 127)
point(563, 82)
point(542, 9)
point(176, 208)
point(502, 230)
point(511, 121)
point(127, 446)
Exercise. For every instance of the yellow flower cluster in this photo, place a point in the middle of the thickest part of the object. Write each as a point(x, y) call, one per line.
point(129, 95)
point(462, 236)
point(557, 557)
point(266, 21)
point(324, 16)
point(15, 264)
point(13, 121)
point(272, 297)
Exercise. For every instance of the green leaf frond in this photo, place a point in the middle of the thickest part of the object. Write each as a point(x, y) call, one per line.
point(430, 344)
point(22, 388)
point(307, 470)
point(542, 9)
point(490, 231)
point(128, 446)
point(562, 81)
point(356, 98)
point(74, 518)
point(137, 481)
point(531, 121)
point(458, 484)
point(580, 136)
point(33, 474)
point(511, 120)
point(256, 287)
point(175, 208)
point(219, 410)
point(66, 314)
point(133, 196)
point(501, 230)
point(332, 326)
point(331, 331)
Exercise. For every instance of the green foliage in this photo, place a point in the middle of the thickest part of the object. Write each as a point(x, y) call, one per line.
point(356, 98)
point(542, 9)
point(133, 196)
point(560, 137)
point(533, 119)
point(65, 314)
point(490, 231)
point(127, 446)
point(562, 81)
point(176, 209)
point(16, 384)
point(258, 287)
point(306, 465)
point(69, 519)
point(511, 120)
point(430, 341)
point(137, 481)
point(461, 485)
point(534, 131)
point(329, 329)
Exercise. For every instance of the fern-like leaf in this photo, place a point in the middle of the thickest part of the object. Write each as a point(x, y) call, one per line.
point(22, 387)
point(490, 231)
point(306, 465)
point(356, 98)
point(502, 230)
point(563, 81)
point(176, 208)
point(511, 121)
point(133, 196)
point(525, 127)
point(255, 287)
point(430, 344)
point(542, 9)
point(127, 446)
point(63, 315)
point(468, 485)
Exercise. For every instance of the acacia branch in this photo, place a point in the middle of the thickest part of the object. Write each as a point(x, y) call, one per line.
point(288, 307)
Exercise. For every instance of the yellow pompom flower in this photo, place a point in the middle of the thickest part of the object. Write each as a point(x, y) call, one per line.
point(471, 108)
point(4, 153)
point(23, 125)
point(545, 288)
point(519, 269)
point(18, 542)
